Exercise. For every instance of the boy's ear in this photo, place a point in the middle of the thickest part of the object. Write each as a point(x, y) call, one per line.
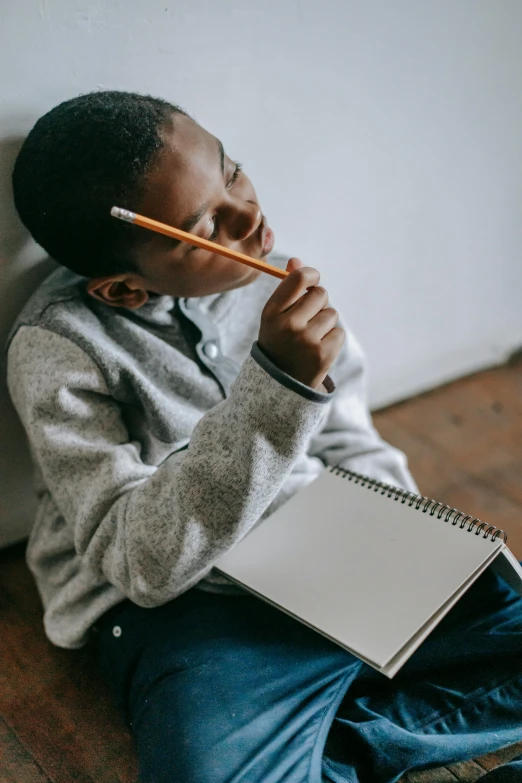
point(118, 291)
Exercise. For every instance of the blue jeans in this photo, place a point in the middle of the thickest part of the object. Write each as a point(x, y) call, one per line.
point(226, 689)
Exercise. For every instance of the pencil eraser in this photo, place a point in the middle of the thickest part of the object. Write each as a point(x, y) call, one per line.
point(123, 214)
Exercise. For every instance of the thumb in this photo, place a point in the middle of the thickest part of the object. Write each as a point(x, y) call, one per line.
point(293, 263)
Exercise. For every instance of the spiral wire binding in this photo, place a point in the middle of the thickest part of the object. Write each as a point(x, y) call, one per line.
point(427, 505)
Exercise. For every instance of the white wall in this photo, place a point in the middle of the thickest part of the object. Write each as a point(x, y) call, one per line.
point(384, 139)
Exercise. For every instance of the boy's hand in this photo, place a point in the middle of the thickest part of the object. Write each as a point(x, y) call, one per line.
point(298, 331)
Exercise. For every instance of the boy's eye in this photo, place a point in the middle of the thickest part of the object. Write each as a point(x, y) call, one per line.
point(215, 222)
point(235, 175)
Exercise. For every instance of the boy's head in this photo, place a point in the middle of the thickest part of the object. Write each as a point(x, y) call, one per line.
point(112, 148)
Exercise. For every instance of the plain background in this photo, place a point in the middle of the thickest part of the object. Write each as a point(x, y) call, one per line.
point(384, 139)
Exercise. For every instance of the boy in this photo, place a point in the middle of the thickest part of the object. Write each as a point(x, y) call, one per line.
point(172, 399)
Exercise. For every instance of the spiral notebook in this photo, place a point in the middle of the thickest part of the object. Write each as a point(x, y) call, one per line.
point(372, 567)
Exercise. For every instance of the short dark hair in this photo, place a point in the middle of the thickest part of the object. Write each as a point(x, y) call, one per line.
point(81, 158)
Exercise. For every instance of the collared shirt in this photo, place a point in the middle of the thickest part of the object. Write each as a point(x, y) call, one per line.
point(161, 436)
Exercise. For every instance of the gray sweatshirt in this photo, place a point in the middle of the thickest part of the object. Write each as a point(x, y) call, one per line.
point(161, 436)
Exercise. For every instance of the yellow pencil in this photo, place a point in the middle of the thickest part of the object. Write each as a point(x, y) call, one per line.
point(191, 239)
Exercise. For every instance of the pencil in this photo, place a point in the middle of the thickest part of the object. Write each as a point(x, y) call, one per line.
point(191, 239)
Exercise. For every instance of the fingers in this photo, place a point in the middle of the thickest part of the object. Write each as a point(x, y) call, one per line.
point(332, 343)
point(309, 305)
point(292, 288)
point(323, 323)
point(299, 332)
point(293, 263)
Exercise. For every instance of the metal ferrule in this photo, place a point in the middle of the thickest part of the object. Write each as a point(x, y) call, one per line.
point(123, 214)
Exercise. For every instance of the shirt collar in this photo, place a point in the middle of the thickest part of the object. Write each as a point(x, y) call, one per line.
point(161, 310)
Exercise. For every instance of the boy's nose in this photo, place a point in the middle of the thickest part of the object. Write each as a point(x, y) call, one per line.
point(247, 220)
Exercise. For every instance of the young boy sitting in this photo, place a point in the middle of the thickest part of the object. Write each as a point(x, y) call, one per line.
point(173, 399)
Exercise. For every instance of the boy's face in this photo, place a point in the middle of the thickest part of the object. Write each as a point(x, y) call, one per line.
point(194, 185)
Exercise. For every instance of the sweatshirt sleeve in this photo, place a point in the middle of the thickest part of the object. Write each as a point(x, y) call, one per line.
point(153, 532)
point(348, 437)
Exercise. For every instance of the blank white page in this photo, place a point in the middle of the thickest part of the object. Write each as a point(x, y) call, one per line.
point(362, 568)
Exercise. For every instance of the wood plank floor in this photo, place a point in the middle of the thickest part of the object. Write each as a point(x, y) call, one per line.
point(57, 721)
point(464, 444)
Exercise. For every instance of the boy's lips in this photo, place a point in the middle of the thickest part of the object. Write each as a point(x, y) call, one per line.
point(269, 242)
point(267, 238)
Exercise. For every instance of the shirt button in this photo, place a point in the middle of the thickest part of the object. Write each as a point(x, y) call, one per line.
point(211, 350)
point(116, 631)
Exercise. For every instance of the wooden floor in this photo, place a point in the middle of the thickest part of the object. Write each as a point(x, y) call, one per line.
point(464, 444)
point(57, 721)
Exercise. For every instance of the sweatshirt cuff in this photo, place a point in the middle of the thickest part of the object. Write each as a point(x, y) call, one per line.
point(291, 383)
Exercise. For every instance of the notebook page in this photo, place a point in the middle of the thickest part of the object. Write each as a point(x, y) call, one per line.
point(395, 663)
point(361, 568)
